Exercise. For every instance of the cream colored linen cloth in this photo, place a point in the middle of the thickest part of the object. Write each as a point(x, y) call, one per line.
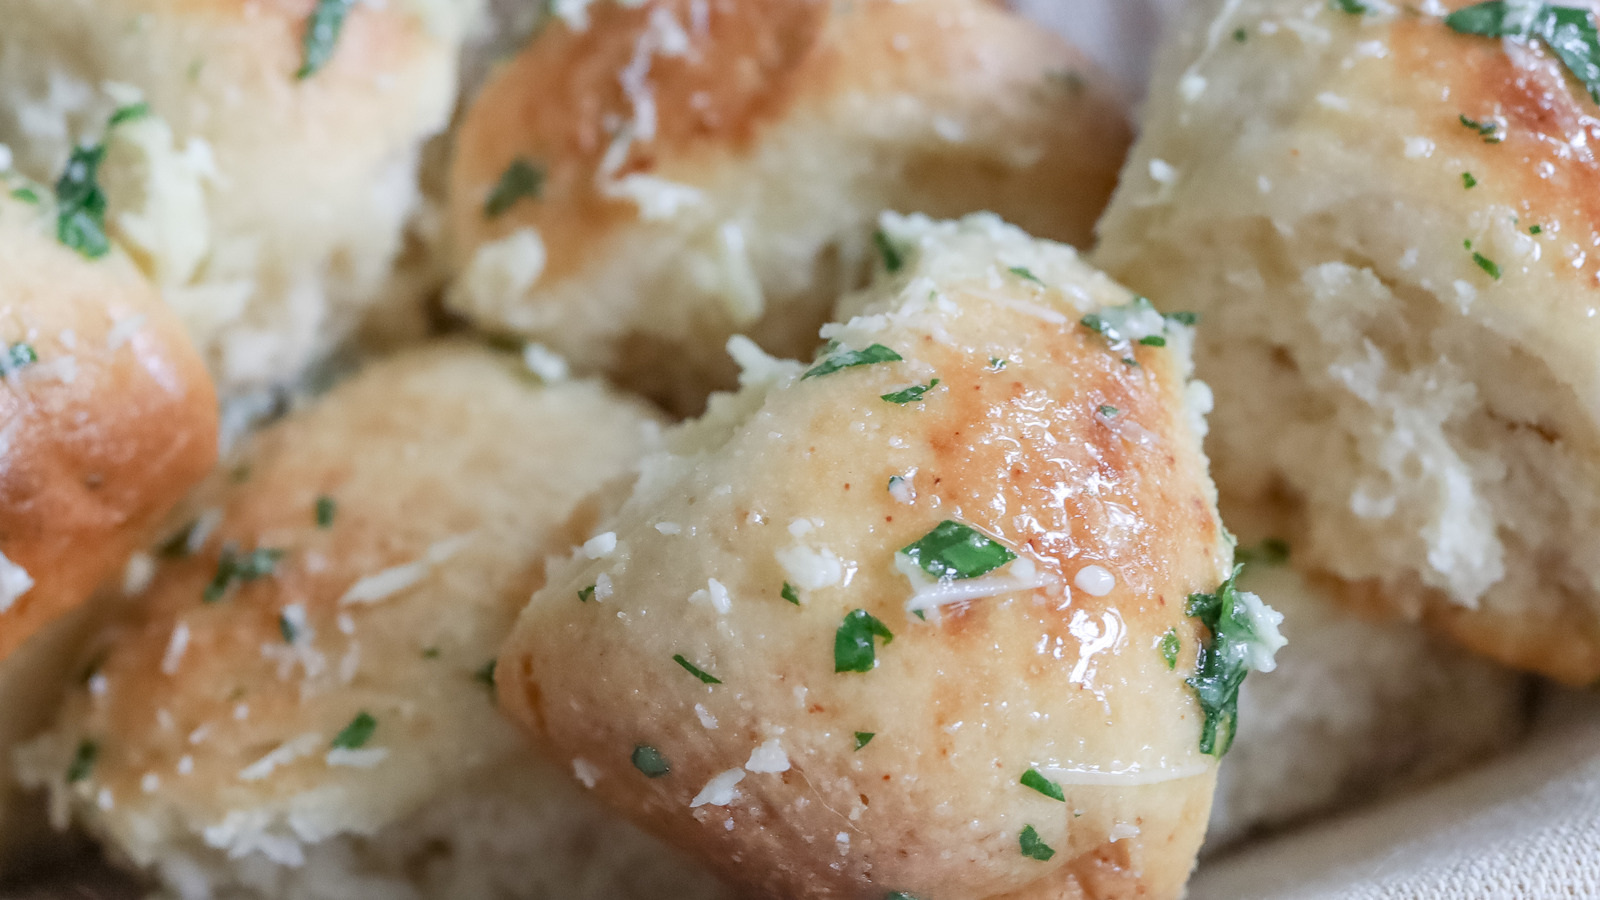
point(1524, 827)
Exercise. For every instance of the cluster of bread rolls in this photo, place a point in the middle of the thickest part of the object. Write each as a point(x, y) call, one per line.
point(354, 541)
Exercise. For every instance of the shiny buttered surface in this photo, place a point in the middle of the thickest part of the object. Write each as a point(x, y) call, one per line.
point(260, 155)
point(911, 617)
point(646, 179)
point(107, 418)
point(302, 704)
point(1387, 218)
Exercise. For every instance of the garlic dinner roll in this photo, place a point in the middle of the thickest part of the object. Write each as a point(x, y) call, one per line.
point(1356, 711)
point(107, 418)
point(303, 707)
point(646, 179)
point(265, 161)
point(1386, 221)
point(913, 618)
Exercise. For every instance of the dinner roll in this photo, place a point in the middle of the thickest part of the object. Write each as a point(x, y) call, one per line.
point(303, 707)
point(1355, 711)
point(1385, 224)
point(912, 618)
point(267, 185)
point(646, 179)
point(106, 419)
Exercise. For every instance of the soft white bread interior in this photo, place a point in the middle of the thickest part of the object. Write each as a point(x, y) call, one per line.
point(1355, 711)
point(746, 660)
point(302, 706)
point(1390, 236)
point(268, 206)
point(646, 179)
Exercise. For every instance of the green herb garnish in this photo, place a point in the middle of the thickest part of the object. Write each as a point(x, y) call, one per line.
point(485, 675)
point(649, 760)
point(911, 394)
point(287, 628)
point(326, 509)
point(864, 738)
point(1486, 264)
point(1468, 181)
point(16, 356)
point(1153, 340)
point(1025, 274)
point(322, 34)
point(521, 180)
point(1136, 320)
point(585, 594)
point(1353, 7)
point(1222, 661)
point(1568, 32)
point(1240, 35)
point(1032, 779)
point(232, 568)
point(953, 551)
point(893, 261)
point(1270, 552)
point(357, 733)
point(1170, 645)
point(130, 113)
point(790, 594)
point(1535, 229)
point(1109, 412)
point(837, 359)
point(82, 765)
point(853, 649)
point(81, 204)
point(26, 195)
point(1033, 848)
point(1488, 130)
point(996, 363)
point(695, 670)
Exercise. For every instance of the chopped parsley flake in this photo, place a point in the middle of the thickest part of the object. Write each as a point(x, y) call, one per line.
point(1134, 321)
point(286, 627)
point(1170, 645)
point(430, 653)
point(1190, 319)
point(996, 363)
point(864, 738)
point(1535, 229)
point(585, 594)
point(327, 508)
point(1486, 264)
point(1032, 779)
point(357, 733)
point(1242, 636)
point(1109, 411)
point(1488, 130)
point(81, 204)
point(1240, 35)
point(16, 356)
point(911, 394)
point(1568, 32)
point(1033, 848)
point(953, 551)
point(232, 568)
point(1353, 7)
point(82, 765)
point(178, 545)
point(485, 675)
point(649, 760)
point(1153, 340)
point(26, 195)
point(1468, 181)
point(1270, 552)
point(893, 259)
point(1025, 274)
point(521, 180)
point(695, 670)
point(790, 594)
point(322, 34)
point(853, 649)
point(837, 359)
point(131, 113)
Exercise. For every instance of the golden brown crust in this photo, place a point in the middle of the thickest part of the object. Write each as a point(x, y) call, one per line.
point(960, 705)
point(787, 123)
point(103, 435)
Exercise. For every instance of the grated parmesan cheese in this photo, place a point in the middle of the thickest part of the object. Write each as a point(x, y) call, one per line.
point(720, 790)
point(393, 580)
point(769, 758)
point(1096, 581)
point(601, 545)
point(14, 582)
point(285, 753)
point(177, 645)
